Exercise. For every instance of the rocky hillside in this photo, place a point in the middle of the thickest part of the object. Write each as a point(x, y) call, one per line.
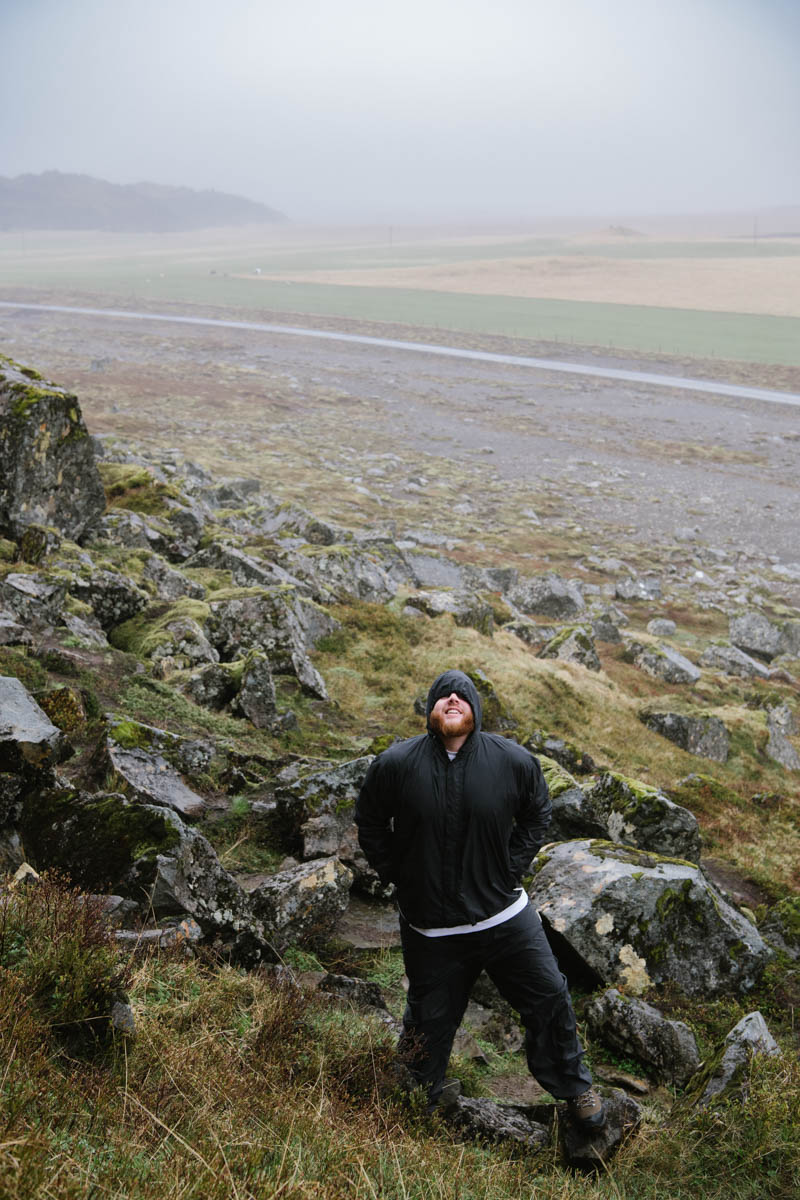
point(194, 677)
point(55, 200)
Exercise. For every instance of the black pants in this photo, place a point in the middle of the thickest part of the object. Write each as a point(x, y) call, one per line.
point(517, 958)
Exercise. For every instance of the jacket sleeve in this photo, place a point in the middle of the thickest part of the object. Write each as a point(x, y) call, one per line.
point(374, 819)
point(531, 822)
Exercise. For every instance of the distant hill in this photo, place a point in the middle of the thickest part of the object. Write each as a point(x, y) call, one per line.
point(54, 200)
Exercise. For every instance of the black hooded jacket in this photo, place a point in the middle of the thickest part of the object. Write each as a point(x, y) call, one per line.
point(454, 837)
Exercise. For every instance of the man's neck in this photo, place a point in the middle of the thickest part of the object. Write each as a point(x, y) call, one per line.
point(453, 744)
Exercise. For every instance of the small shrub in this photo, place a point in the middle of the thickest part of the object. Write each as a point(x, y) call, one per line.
point(58, 948)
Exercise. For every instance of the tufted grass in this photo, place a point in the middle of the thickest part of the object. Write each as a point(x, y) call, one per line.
point(237, 1087)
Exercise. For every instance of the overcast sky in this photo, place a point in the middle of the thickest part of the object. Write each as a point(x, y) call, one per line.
point(413, 110)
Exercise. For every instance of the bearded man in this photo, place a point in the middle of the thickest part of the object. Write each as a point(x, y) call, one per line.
point(453, 819)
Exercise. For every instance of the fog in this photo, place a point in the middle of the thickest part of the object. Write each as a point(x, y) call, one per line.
point(413, 110)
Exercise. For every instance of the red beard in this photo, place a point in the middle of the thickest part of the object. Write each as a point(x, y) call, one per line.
point(452, 727)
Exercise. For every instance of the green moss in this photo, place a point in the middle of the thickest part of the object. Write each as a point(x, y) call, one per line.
point(637, 858)
point(131, 735)
point(8, 550)
point(24, 397)
point(557, 779)
point(133, 487)
point(144, 633)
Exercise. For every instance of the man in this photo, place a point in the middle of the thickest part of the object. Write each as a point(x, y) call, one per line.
point(453, 819)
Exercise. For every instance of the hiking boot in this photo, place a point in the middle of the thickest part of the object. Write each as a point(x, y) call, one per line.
point(451, 1090)
point(587, 1110)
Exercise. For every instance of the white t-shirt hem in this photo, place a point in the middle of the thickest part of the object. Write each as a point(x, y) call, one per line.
point(487, 923)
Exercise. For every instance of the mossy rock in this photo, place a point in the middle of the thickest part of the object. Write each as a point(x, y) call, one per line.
point(558, 780)
point(146, 632)
point(64, 706)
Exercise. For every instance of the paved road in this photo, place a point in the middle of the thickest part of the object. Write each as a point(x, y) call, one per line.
point(541, 364)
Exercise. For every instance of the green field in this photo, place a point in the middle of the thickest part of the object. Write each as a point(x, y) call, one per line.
point(149, 271)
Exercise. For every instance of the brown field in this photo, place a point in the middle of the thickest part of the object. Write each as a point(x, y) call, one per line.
point(764, 286)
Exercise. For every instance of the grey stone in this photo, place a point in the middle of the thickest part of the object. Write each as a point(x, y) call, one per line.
point(781, 723)
point(702, 735)
point(122, 1018)
point(606, 629)
point(574, 815)
point(637, 814)
point(646, 587)
point(431, 571)
point(113, 598)
point(361, 993)
point(169, 583)
point(149, 779)
point(725, 1074)
point(752, 632)
point(634, 919)
point(662, 662)
point(319, 808)
point(279, 622)
point(213, 686)
point(529, 632)
point(781, 927)
point(492, 1122)
point(590, 1152)
point(48, 474)
point(28, 738)
point(33, 597)
point(245, 570)
point(466, 608)
point(304, 903)
point(12, 633)
point(548, 596)
point(637, 1030)
point(256, 698)
point(124, 528)
point(662, 627)
point(790, 638)
point(721, 656)
point(574, 644)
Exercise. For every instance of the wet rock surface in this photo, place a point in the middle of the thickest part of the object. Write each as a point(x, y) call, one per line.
point(634, 919)
point(635, 1029)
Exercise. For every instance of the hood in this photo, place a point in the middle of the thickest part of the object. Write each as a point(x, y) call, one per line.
point(455, 681)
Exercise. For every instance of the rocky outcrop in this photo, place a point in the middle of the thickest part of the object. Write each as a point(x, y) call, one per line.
point(781, 926)
point(635, 1029)
point(633, 919)
point(147, 778)
point(48, 474)
point(318, 809)
point(646, 587)
point(705, 736)
point(277, 621)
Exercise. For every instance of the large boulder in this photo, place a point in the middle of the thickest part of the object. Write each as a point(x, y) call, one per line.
point(705, 736)
point(635, 1029)
point(105, 843)
point(574, 815)
point(724, 1075)
point(548, 596)
point(722, 656)
point(754, 633)
point(112, 597)
point(646, 587)
point(781, 723)
point(630, 919)
point(466, 608)
point(303, 903)
point(637, 814)
point(660, 661)
point(573, 644)
point(34, 597)
point(48, 474)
